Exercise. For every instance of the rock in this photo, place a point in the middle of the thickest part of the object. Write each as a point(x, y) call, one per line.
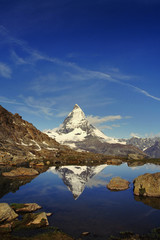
point(40, 164)
point(6, 228)
point(7, 213)
point(49, 214)
point(118, 184)
point(85, 233)
point(114, 162)
point(147, 185)
point(41, 218)
point(26, 207)
point(133, 156)
point(21, 172)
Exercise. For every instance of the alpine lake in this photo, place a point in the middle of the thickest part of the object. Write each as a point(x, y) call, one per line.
point(80, 201)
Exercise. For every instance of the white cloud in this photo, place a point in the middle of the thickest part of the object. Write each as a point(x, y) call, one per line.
point(102, 127)
point(5, 70)
point(98, 120)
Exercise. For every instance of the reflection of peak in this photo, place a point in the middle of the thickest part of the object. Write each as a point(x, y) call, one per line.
point(76, 177)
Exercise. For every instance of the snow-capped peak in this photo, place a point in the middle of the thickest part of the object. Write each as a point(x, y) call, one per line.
point(76, 128)
point(75, 119)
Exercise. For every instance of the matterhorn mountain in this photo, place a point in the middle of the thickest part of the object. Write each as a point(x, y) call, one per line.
point(80, 135)
point(76, 177)
point(76, 128)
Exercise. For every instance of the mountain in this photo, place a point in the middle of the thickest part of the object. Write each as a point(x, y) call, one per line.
point(76, 177)
point(21, 141)
point(150, 146)
point(76, 128)
point(80, 135)
point(142, 143)
point(154, 150)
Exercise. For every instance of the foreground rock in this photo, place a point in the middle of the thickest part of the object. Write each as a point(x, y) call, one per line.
point(147, 185)
point(118, 184)
point(40, 219)
point(26, 207)
point(21, 172)
point(7, 213)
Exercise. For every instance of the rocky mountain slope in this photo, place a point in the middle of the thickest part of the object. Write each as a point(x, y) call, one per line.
point(154, 150)
point(20, 140)
point(150, 146)
point(79, 134)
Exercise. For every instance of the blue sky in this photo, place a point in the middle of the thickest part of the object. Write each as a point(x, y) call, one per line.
point(103, 55)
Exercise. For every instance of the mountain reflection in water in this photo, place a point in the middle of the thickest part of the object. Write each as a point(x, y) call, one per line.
point(96, 209)
point(76, 177)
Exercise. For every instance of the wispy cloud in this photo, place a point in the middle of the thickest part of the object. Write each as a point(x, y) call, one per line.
point(5, 70)
point(98, 120)
point(30, 105)
point(9, 101)
point(17, 60)
point(144, 92)
point(41, 106)
point(79, 73)
point(62, 114)
point(39, 84)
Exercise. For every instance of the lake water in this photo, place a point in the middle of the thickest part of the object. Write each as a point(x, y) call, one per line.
point(79, 200)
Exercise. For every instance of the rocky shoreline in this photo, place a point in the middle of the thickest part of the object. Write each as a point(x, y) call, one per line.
point(32, 218)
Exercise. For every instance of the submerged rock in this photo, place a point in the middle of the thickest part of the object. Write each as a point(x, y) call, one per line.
point(7, 213)
point(118, 184)
point(147, 185)
point(21, 172)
